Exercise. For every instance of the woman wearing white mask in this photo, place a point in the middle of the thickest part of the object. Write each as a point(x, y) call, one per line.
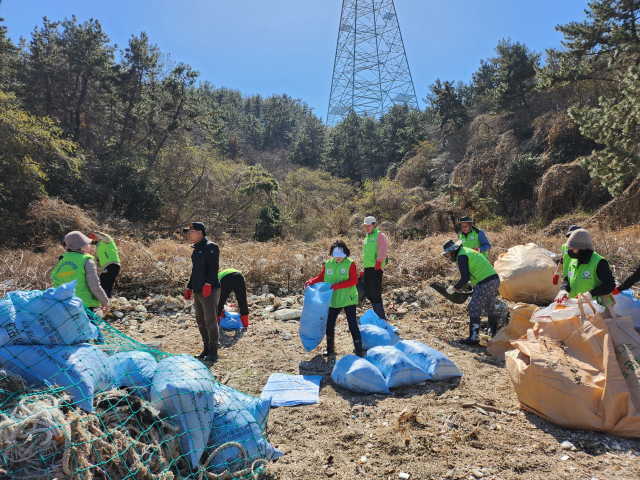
point(342, 273)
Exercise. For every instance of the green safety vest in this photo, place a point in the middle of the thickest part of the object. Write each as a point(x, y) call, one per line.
point(566, 260)
point(107, 253)
point(336, 272)
point(472, 240)
point(584, 278)
point(70, 268)
point(370, 250)
point(479, 267)
point(226, 272)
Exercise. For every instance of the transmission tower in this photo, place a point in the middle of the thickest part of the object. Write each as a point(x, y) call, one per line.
point(371, 72)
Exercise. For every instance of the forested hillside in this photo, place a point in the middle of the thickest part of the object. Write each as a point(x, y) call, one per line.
point(138, 139)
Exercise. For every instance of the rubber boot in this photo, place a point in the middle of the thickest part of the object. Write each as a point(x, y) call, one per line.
point(358, 345)
point(378, 308)
point(331, 348)
point(204, 353)
point(245, 320)
point(474, 330)
point(493, 325)
point(212, 356)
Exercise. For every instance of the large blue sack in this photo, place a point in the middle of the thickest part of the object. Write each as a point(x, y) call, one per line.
point(235, 421)
point(396, 368)
point(134, 370)
point(45, 317)
point(83, 370)
point(627, 306)
point(435, 363)
point(183, 390)
point(358, 375)
point(371, 318)
point(230, 321)
point(315, 310)
point(373, 336)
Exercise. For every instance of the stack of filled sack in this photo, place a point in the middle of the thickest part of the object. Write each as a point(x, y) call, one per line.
point(390, 362)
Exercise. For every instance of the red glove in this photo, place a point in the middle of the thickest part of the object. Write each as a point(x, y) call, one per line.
point(361, 274)
point(477, 249)
point(556, 279)
point(378, 265)
point(615, 291)
point(92, 236)
point(206, 290)
point(187, 294)
point(306, 284)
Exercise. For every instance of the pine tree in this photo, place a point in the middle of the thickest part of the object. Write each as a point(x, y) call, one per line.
point(447, 104)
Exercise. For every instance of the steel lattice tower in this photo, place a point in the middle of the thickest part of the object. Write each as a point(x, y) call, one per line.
point(371, 72)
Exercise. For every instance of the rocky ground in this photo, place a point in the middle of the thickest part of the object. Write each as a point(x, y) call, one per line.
point(463, 428)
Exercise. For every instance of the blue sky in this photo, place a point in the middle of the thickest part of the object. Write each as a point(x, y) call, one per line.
point(288, 46)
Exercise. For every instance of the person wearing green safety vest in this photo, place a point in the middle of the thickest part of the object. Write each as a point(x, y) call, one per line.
point(232, 281)
point(342, 273)
point(374, 259)
point(475, 269)
point(588, 272)
point(109, 259)
point(565, 260)
point(77, 264)
point(473, 237)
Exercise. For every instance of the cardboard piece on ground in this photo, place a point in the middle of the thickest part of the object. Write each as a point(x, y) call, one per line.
point(526, 275)
point(518, 325)
point(290, 390)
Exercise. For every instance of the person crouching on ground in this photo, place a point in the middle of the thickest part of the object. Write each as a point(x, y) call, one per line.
point(205, 288)
point(588, 273)
point(565, 259)
point(232, 281)
point(109, 259)
point(342, 273)
point(475, 268)
point(472, 237)
point(77, 264)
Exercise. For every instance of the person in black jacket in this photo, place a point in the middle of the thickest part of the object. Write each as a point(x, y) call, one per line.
point(629, 282)
point(205, 288)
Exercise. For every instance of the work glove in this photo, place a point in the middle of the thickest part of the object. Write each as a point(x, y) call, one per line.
point(333, 286)
point(616, 291)
point(187, 294)
point(206, 290)
point(563, 294)
point(105, 309)
point(587, 295)
point(556, 279)
point(361, 274)
point(451, 290)
point(93, 237)
point(378, 265)
point(306, 284)
point(477, 249)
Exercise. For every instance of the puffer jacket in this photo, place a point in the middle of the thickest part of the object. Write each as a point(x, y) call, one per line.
point(205, 260)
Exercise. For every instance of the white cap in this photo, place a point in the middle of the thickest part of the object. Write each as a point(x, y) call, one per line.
point(338, 253)
point(370, 221)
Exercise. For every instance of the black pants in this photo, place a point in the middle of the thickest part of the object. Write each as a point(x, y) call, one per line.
point(350, 312)
point(373, 284)
point(108, 278)
point(233, 283)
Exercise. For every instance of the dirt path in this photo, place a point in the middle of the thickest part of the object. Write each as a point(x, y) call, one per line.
point(425, 431)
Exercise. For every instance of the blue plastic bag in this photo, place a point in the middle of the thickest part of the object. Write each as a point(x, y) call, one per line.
point(373, 336)
point(627, 306)
point(396, 368)
point(358, 375)
point(183, 390)
point(257, 406)
point(83, 370)
point(371, 318)
point(234, 422)
point(45, 317)
point(435, 363)
point(284, 390)
point(230, 321)
point(315, 311)
point(134, 370)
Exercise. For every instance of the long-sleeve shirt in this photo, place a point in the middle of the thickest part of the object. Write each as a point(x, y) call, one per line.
point(93, 281)
point(631, 281)
point(485, 246)
point(606, 277)
point(352, 281)
point(383, 247)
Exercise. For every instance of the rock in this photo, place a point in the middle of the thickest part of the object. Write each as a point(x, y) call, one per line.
point(287, 336)
point(118, 314)
point(564, 458)
point(363, 459)
point(404, 476)
point(122, 300)
point(265, 289)
point(401, 311)
point(288, 314)
point(566, 445)
point(622, 251)
point(140, 308)
point(477, 473)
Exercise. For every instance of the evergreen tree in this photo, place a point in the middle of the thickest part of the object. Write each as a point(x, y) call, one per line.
point(515, 74)
point(447, 104)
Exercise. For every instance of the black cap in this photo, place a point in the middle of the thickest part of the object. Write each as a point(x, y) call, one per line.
point(572, 229)
point(195, 226)
point(465, 219)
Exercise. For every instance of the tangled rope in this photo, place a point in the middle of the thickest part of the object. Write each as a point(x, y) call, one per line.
point(251, 469)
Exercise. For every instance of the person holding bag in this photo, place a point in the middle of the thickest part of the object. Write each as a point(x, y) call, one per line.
point(341, 272)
